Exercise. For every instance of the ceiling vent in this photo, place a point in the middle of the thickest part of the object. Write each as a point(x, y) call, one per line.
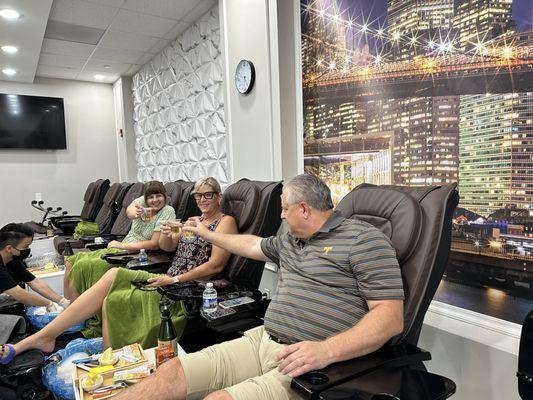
point(72, 33)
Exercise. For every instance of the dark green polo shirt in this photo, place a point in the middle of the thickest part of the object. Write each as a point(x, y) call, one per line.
point(324, 282)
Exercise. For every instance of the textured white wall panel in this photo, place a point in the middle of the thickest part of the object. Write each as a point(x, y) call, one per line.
point(179, 108)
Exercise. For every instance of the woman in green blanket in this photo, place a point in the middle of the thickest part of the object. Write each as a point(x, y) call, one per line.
point(131, 315)
point(82, 270)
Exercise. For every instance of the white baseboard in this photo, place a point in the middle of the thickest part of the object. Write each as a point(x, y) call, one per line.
point(481, 328)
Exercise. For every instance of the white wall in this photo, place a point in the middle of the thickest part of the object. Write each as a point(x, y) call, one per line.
point(61, 175)
point(127, 166)
point(262, 128)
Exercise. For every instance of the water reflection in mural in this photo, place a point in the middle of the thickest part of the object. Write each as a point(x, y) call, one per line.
point(429, 92)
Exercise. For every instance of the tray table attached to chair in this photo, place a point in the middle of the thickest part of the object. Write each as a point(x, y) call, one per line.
point(108, 374)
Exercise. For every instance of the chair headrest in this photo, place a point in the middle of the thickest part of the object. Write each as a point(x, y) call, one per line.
point(136, 190)
point(174, 193)
point(241, 200)
point(112, 193)
point(90, 192)
point(396, 214)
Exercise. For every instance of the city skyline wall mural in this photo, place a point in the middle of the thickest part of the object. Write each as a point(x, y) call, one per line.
point(429, 92)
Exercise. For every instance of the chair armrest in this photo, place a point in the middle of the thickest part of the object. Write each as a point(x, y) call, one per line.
point(66, 223)
point(95, 246)
point(310, 385)
point(66, 217)
point(390, 383)
point(239, 325)
point(90, 238)
point(156, 262)
point(87, 239)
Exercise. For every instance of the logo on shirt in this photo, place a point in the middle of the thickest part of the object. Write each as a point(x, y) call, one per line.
point(326, 250)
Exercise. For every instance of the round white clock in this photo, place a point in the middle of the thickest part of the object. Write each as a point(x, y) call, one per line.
point(244, 76)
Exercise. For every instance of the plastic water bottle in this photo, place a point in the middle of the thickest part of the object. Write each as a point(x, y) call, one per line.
point(142, 256)
point(209, 298)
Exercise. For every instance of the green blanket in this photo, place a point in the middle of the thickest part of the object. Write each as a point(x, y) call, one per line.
point(87, 269)
point(85, 228)
point(132, 315)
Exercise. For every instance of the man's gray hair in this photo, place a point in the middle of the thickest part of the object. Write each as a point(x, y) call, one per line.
point(208, 181)
point(311, 189)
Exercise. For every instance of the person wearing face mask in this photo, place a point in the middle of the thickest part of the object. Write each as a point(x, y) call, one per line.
point(15, 241)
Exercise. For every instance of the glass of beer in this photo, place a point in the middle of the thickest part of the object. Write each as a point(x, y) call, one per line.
point(175, 225)
point(188, 236)
point(147, 214)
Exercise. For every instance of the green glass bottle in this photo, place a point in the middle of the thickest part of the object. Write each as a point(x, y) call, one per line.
point(68, 249)
point(167, 338)
point(49, 229)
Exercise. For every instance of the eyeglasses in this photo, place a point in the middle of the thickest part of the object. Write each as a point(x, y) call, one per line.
point(206, 195)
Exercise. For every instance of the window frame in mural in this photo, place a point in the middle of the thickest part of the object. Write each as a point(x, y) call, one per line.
point(430, 92)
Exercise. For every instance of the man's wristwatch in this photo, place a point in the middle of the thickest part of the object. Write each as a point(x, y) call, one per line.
point(176, 279)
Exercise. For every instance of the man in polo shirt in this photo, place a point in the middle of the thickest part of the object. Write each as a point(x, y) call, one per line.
point(339, 296)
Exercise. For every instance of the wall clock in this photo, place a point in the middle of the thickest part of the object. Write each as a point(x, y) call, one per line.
point(244, 76)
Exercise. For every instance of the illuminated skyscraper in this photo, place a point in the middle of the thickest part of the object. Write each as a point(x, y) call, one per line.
point(425, 146)
point(420, 133)
point(481, 20)
point(343, 172)
point(412, 24)
point(327, 118)
point(324, 41)
point(425, 134)
point(496, 151)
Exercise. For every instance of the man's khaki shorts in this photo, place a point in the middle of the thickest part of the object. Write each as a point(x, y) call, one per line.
point(244, 367)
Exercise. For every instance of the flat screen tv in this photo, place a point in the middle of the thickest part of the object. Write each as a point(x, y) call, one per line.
point(31, 122)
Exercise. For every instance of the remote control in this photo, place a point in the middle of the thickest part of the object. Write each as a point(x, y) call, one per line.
point(236, 302)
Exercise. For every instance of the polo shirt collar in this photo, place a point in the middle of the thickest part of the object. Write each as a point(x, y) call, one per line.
point(332, 223)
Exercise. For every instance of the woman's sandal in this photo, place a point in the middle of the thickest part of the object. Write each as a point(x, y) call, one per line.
point(8, 354)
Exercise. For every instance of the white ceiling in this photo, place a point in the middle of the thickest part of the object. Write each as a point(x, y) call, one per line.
point(76, 39)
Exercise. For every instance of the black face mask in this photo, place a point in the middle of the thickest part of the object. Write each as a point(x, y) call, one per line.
point(23, 254)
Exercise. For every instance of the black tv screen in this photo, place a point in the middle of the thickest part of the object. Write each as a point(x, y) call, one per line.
point(31, 122)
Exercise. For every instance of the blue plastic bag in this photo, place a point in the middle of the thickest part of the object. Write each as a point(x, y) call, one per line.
point(61, 385)
point(40, 320)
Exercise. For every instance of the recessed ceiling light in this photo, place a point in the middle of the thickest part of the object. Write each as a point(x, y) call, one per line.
point(99, 77)
point(9, 14)
point(107, 66)
point(9, 71)
point(9, 49)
